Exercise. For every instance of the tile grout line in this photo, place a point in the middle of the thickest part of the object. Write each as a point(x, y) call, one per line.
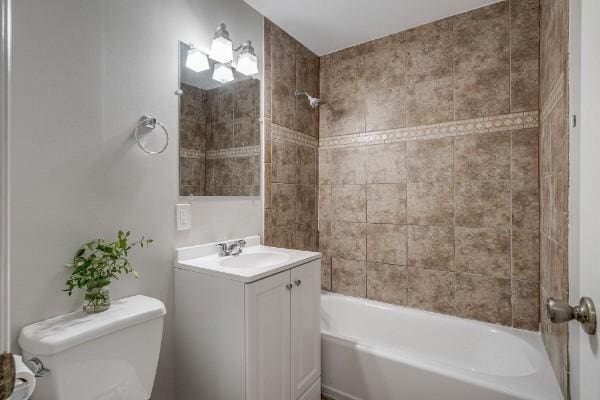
point(512, 300)
point(454, 222)
point(510, 56)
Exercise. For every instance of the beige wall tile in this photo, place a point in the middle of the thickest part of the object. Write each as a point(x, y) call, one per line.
point(525, 255)
point(483, 298)
point(342, 76)
point(429, 51)
point(267, 69)
point(430, 160)
point(349, 203)
point(306, 204)
point(306, 236)
point(385, 109)
point(307, 79)
point(268, 184)
point(483, 251)
point(283, 203)
point(386, 203)
point(267, 126)
point(431, 290)
point(482, 62)
point(431, 247)
point(430, 203)
point(325, 238)
point(349, 277)
point(342, 166)
point(386, 163)
point(307, 165)
point(524, 44)
point(386, 243)
point(430, 101)
point(525, 305)
point(482, 157)
point(385, 88)
point(283, 236)
point(349, 240)
point(341, 117)
point(554, 31)
point(482, 203)
point(326, 273)
point(283, 83)
point(525, 204)
point(386, 283)
point(325, 202)
point(285, 161)
point(525, 154)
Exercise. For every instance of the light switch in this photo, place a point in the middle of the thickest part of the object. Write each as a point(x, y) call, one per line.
point(184, 216)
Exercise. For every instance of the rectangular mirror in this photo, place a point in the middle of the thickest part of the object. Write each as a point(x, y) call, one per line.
point(219, 132)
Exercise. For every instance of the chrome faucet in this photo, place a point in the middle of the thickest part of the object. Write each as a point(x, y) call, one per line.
point(231, 249)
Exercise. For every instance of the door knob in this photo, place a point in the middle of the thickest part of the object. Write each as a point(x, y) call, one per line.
point(289, 286)
point(298, 282)
point(560, 311)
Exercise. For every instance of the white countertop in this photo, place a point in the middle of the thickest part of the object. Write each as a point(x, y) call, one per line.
point(205, 259)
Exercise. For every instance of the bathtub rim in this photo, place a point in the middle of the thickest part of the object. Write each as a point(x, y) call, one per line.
point(481, 379)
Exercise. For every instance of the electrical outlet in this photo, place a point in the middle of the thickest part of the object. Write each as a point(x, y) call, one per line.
point(184, 217)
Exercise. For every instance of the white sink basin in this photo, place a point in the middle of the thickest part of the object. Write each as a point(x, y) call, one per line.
point(255, 260)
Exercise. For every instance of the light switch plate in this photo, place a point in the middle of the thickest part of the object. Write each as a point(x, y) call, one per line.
point(184, 216)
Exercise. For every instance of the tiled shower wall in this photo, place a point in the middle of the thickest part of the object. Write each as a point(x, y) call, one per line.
point(554, 174)
point(428, 166)
point(291, 130)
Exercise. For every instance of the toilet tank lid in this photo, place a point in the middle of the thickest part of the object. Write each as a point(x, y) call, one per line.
point(65, 331)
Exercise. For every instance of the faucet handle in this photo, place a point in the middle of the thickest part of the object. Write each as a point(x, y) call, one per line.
point(241, 243)
point(223, 249)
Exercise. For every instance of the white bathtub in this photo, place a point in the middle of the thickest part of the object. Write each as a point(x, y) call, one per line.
point(376, 351)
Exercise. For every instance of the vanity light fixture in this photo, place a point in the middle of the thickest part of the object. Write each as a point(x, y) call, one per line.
point(247, 63)
point(222, 73)
point(196, 60)
point(221, 49)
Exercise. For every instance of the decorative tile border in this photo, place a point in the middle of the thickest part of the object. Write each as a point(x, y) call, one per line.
point(233, 152)
point(553, 97)
point(281, 132)
point(189, 153)
point(498, 123)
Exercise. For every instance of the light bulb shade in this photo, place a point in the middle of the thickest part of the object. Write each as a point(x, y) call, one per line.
point(221, 48)
point(196, 60)
point(247, 64)
point(222, 73)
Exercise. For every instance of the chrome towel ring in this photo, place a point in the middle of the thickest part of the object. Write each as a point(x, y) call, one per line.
point(150, 123)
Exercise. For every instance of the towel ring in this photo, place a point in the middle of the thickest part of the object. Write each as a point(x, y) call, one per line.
point(150, 123)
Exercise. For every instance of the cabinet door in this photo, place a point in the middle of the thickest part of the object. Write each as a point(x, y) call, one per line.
point(306, 326)
point(268, 338)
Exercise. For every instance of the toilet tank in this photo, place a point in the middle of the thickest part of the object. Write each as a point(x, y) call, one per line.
point(111, 355)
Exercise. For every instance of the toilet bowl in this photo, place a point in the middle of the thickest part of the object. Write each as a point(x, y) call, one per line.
point(106, 356)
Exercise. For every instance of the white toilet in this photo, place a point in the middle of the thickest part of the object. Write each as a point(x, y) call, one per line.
point(106, 356)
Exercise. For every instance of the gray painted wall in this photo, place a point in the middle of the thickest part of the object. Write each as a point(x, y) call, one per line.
point(84, 72)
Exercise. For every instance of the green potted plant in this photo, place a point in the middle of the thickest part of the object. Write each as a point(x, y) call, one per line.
point(96, 264)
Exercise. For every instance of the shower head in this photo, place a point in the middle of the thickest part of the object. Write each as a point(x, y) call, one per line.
point(313, 102)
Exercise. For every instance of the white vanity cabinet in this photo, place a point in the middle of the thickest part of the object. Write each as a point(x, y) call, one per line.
point(249, 339)
point(283, 338)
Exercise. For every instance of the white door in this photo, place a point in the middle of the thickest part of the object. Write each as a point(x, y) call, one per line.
point(268, 338)
point(306, 332)
point(584, 226)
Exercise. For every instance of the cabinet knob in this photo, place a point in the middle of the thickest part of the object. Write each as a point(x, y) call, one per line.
point(288, 286)
point(298, 282)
